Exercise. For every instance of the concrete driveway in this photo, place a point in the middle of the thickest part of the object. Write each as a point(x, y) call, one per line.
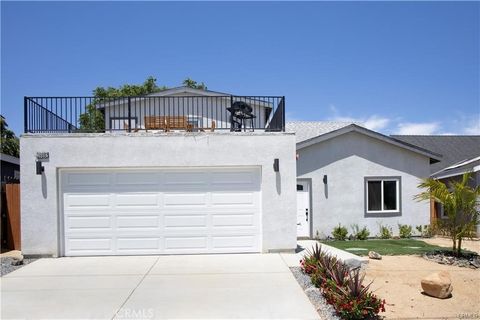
point(249, 286)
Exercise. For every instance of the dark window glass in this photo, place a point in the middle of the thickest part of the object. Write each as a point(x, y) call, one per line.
point(389, 195)
point(299, 187)
point(374, 195)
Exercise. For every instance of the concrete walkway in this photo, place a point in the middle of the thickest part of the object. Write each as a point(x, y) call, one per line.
point(253, 286)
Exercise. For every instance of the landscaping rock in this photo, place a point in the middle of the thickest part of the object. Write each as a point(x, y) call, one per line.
point(438, 285)
point(374, 255)
point(8, 265)
point(325, 310)
point(466, 260)
point(17, 260)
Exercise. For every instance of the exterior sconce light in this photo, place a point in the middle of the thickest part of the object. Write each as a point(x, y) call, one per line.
point(325, 179)
point(40, 168)
point(41, 157)
point(276, 165)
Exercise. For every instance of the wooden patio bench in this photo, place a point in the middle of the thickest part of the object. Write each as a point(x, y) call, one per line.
point(167, 123)
point(155, 123)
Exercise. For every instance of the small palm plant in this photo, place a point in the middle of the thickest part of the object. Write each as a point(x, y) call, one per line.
point(460, 203)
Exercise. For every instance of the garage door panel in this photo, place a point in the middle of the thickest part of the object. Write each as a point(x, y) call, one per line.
point(183, 179)
point(185, 221)
point(90, 244)
point(76, 223)
point(180, 211)
point(184, 199)
point(85, 179)
point(138, 200)
point(87, 201)
point(137, 221)
point(186, 242)
point(235, 241)
point(124, 179)
point(233, 199)
point(233, 220)
point(138, 243)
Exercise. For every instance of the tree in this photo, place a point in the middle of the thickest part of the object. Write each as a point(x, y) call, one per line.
point(194, 84)
point(129, 90)
point(460, 203)
point(9, 141)
point(93, 120)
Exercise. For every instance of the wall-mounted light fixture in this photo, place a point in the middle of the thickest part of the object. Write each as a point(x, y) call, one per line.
point(276, 165)
point(325, 179)
point(41, 157)
point(40, 168)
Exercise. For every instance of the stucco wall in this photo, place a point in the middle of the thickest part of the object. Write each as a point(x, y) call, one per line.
point(347, 160)
point(39, 194)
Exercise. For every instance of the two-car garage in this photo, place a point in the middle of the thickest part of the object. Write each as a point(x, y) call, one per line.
point(160, 211)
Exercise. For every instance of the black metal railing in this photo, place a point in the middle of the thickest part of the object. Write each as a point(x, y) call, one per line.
point(153, 113)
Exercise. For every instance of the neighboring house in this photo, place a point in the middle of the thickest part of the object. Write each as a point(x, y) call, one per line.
point(10, 167)
point(161, 191)
point(350, 175)
point(461, 154)
point(202, 109)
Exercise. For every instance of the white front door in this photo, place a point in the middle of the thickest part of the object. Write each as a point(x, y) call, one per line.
point(161, 211)
point(303, 209)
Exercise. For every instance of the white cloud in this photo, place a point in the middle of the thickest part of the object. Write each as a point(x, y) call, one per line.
point(455, 125)
point(473, 127)
point(418, 128)
point(376, 123)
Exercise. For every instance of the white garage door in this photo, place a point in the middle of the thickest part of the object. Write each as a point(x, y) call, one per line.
point(124, 212)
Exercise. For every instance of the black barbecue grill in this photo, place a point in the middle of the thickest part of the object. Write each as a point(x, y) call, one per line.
point(240, 113)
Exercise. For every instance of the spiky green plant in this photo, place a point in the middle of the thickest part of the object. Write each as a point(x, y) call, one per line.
point(460, 202)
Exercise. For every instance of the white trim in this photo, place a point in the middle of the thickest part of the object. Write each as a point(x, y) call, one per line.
point(382, 203)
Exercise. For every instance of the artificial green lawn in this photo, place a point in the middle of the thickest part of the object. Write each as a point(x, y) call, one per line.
point(385, 247)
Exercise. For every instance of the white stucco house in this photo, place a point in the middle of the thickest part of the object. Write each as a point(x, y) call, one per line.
point(164, 188)
point(349, 175)
point(156, 176)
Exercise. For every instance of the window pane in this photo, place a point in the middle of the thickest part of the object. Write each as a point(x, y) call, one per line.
point(389, 195)
point(374, 195)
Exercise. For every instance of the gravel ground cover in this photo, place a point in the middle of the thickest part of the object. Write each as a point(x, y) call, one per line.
point(325, 310)
point(8, 267)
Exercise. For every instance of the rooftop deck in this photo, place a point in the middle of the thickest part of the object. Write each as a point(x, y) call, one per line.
point(154, 114)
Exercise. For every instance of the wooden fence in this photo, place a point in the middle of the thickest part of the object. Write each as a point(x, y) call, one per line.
point(11, 237)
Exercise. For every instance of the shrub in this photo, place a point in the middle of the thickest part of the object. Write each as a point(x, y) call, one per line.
point(426, 231)
point(405, 231)
point(340, 232)
point(362, 234)
point(343, 288)
point(385, 232)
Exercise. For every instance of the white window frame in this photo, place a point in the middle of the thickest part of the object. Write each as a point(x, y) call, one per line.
point(397, 180)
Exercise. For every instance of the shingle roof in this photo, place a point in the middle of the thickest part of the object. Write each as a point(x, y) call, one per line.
point(305, 130)
point(453, 148)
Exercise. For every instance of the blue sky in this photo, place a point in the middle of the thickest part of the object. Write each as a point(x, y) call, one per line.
point(399, 67)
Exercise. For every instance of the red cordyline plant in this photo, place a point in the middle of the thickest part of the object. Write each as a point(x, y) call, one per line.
point(342, 288)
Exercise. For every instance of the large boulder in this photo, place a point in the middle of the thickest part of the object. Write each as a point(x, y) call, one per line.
point(438, 285)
